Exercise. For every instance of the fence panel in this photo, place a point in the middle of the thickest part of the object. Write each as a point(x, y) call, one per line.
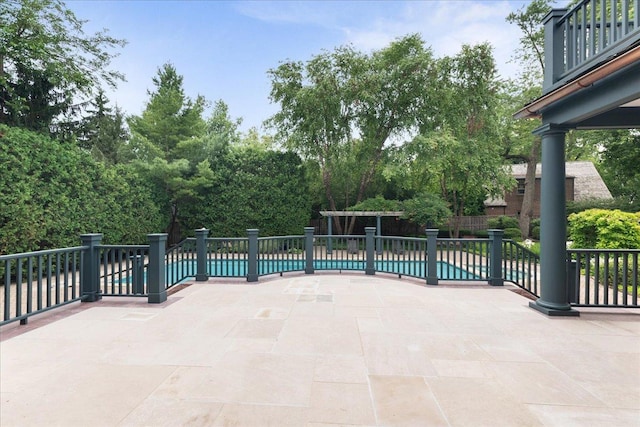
point(280, 254)
point(463, 259)
point(345, 252)
point(123, 270)
point(180, 262)
point(521, 267)
point(404, 256)
point(35, 282)
point(604, 277)
point(227, 257)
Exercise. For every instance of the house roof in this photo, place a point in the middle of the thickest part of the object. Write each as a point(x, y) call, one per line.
point(587, 182)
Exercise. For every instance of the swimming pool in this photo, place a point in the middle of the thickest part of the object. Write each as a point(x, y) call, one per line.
point(178, 271)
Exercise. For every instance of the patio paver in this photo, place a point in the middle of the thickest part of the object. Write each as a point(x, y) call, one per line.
point(319, 350)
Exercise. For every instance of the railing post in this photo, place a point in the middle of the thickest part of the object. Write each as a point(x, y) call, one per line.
point(572, 279)
point(156, 287)
point(201, 255)
point(379, 235)
point(553, 48)
point(90, 273)
point(432, 256)
point(308, 249)
point(138, 274)
point(495, 257)
point(329, 232)
point(370, 267)
point(252, 261)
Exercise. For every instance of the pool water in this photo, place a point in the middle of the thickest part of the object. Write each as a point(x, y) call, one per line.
point(238, 268)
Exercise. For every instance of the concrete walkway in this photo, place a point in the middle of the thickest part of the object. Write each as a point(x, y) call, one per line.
point(321, 350)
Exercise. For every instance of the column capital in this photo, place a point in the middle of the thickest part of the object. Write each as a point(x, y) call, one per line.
point(549, 129)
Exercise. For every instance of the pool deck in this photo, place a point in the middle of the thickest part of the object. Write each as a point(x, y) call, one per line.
point(321, 350)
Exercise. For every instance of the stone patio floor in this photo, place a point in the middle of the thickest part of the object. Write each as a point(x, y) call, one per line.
point(320, 350)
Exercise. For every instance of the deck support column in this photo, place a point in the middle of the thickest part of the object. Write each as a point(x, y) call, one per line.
point(554, 295)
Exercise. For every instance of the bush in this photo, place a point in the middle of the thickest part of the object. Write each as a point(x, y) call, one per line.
point(51, 192)
point(535, 232)
point(503, 222)
point(617, 203)
point(483, 234)
point(512, 233)
point(426, 210)
point(605, 229)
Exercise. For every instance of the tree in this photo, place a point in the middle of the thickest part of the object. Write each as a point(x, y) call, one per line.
point(48, 65)
point(169, 117)
point(102, 131)
point(158, 137)
point(459, 159)
point(520, 146)
point(345, 105)
point(619, 165)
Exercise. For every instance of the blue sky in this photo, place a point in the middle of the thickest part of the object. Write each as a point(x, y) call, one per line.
point(225, 48)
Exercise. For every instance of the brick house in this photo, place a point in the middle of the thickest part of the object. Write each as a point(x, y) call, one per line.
point(582, 182)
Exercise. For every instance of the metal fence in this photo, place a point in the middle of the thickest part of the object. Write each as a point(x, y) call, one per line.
point(603, 278)
point(35, 282)
point(123, 270)
point(38, 281)
point(521, 267)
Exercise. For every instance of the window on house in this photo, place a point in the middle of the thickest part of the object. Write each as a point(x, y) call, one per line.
point(521, 186)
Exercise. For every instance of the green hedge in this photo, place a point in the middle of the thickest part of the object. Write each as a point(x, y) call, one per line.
point(502, 222)
point(51, 192)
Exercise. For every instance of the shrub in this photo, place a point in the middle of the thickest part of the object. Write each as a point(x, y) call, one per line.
point(535, 232)
point(605, 229)
point(426, 209)
point(484, 234)
point(617, 203)
point(512, 233)
point(502, 222)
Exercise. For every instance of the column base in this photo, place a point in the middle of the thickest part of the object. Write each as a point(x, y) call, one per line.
point(157, 298)
point(554, 311)
point(201, 277)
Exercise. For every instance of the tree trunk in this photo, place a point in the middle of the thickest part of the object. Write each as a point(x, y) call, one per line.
point(326, 182)
point(526, 211)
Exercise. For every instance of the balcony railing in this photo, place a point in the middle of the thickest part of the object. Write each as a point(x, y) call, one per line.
point(588, 33)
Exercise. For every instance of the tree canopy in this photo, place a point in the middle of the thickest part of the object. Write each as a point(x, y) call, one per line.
point(48, 64)
point(341, 108)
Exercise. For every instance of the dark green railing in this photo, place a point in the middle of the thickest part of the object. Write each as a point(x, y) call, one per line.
point(521, 267)
point(604, 277)
point(588, 33)
point(35, 282)
point(39, 281)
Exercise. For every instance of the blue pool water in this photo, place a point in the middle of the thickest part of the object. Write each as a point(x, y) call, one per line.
point(238, 268)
